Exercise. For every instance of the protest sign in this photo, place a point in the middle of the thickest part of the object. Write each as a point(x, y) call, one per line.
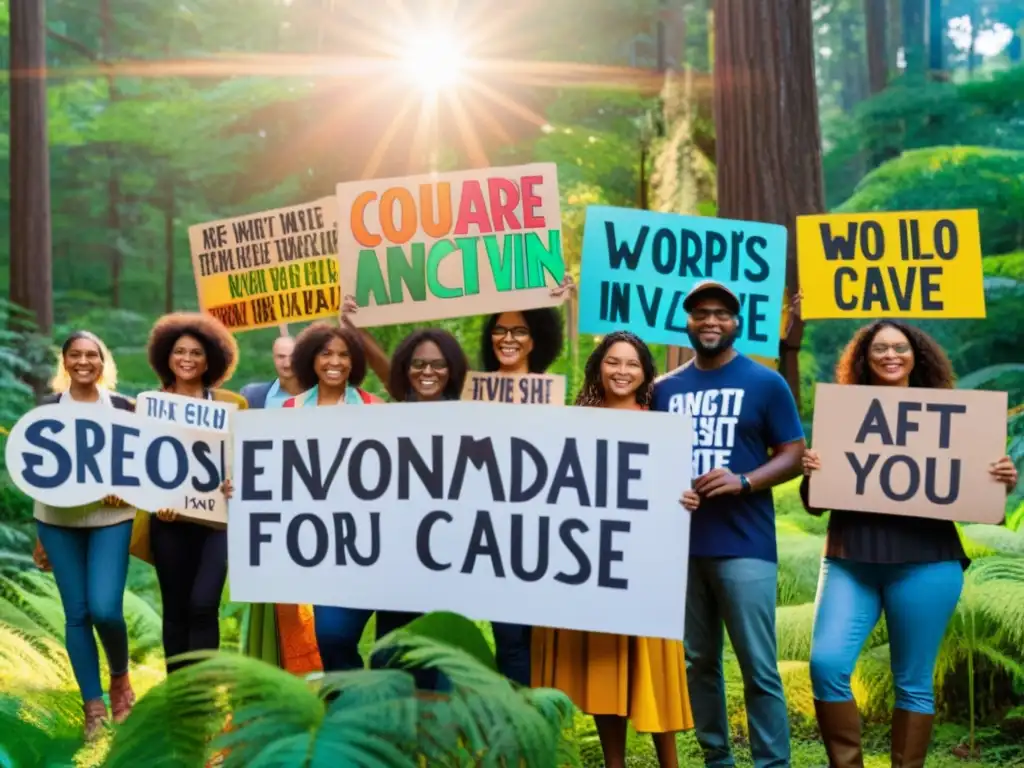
point(71, 455)
point(909, 264)
point(521, 389)
point(270, 268)
point(190, 411)
point(638, 266)
point(909, 451)
point(560, 517)
point(451, 244)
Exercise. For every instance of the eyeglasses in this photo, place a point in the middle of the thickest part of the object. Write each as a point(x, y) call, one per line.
point(520, 332)
point(721, 315)
point(878, 350)
point(418, 364)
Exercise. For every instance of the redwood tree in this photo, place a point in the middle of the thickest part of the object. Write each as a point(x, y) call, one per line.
point(877, 50)
point(31, 268)
point(768, 149)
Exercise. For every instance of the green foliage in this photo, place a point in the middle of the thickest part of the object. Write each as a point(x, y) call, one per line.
point(950, 177)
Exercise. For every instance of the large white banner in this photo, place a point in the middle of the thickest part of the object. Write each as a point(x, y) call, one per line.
point(561, 517)
point(71, 455)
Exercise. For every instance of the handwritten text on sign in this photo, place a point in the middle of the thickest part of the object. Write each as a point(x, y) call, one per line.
point(268, 268)
point(452, 244)
point(77, 454)
point(638, 267)
point(869, 265)
point(522, 389)
point(497, 513)
point(909, 451)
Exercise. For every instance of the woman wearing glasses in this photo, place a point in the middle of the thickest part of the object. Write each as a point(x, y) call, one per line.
point(911, 569)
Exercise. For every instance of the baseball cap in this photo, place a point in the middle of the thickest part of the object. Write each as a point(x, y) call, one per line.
point(711, 289)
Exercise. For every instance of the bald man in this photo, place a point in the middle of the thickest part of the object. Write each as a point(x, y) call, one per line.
point(273, 394)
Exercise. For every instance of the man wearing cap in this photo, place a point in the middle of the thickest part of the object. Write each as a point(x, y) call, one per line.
point(747, 438)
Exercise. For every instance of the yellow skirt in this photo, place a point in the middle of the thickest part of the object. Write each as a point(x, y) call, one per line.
point(640, 678)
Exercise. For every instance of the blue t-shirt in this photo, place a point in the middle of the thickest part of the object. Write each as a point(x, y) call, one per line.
point(739, 412)
point(275, 395)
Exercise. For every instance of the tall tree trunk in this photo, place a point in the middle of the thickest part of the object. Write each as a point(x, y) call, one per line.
point(895, 24)
point(769, 146)
point(975, 21)
point(31, 244)
point(913, 37)
point(113, 177)
point(936, 37)
point(877, 54)
point(168, 211)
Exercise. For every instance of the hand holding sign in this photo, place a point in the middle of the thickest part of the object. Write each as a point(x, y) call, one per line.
point(690, 500)
point(1005, 472)
point(718, 482)
point(811, 461)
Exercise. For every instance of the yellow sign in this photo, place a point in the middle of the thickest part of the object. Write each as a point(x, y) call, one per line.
point(269, 268)
point(923, 264)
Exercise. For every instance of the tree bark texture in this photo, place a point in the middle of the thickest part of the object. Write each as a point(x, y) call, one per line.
point(877, 52)
point(31, 238)
point(895, 25)
point(766, 118)
point(936, 37)
point(914, 47)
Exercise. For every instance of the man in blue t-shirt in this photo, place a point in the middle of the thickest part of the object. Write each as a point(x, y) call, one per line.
point(747, 438)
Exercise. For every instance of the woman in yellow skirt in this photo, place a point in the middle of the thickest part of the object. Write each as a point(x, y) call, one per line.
point(617, 678)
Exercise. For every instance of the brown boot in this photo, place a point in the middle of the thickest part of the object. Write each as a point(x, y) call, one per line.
point(95, 718)
point(122, 697)
point(911, 735)
point(839, 723)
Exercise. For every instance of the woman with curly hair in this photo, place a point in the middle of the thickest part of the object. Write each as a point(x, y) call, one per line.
point(330, 364)
point(910, 569)
point(617, 678)
point(87, 547)
point(192, 354)
point(428, 366)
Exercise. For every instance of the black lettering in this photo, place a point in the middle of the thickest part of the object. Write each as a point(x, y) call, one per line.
point(89, 441)
point(202, 453)
point(479, 453)
point(293, 464)
point(626, 473)
point(565, 533)
point(850, 274)
point(874, 423)
point(929, 288)
point(569, 474)
point(423, 540)
point(873, 248)
point(754, 318)
point(691, 251)
point(905, 296)
point(520, 449)
point(355, 470)
point(601, 476)
point(945, 411)
point(153, 463)
point(874, 291)
point(345, 539)
point(431, 478)
point(836, 246)
point(256, 534)
point(904, 425)
point(619, 252)
point(861, 471)
point(755, 244)
point(664, 265)
point(35, 436)
point(608, 555)
point(292, 540)
point(885, 477)
point(250, 471)
point(543, 547)
point(483, 543)
point(119, 454)
point(947, 239)
point(930, 475)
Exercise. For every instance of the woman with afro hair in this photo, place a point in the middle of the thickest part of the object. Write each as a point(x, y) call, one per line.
point(617, 678)
point(909, 568)
point(192, 354)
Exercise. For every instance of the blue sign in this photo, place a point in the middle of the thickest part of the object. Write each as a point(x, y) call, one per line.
point(638, 266)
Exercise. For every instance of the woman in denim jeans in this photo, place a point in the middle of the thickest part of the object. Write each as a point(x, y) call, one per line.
point(912, 569)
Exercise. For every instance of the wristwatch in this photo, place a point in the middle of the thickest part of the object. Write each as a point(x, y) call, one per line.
point(744, 484)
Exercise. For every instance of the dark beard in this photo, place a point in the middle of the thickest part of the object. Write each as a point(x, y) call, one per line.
point(725, 341)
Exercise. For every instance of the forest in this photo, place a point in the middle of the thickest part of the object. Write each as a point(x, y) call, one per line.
point(127, 121)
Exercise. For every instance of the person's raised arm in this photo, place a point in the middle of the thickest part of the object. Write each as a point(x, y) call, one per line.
point(378, 360)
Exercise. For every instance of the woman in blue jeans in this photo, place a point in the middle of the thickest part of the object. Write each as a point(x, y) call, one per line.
point(87, 547)
point(910, 569)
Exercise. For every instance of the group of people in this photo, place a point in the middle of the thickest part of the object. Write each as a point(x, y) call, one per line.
point(748, 438)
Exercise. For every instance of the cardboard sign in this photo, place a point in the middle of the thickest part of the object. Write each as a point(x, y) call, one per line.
point(269, 268)
point(559, 517)
point(451, 244)
point(76, 454)
point(523, 389)
point(638, 267)
point(909, 451)
point(871, 265)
